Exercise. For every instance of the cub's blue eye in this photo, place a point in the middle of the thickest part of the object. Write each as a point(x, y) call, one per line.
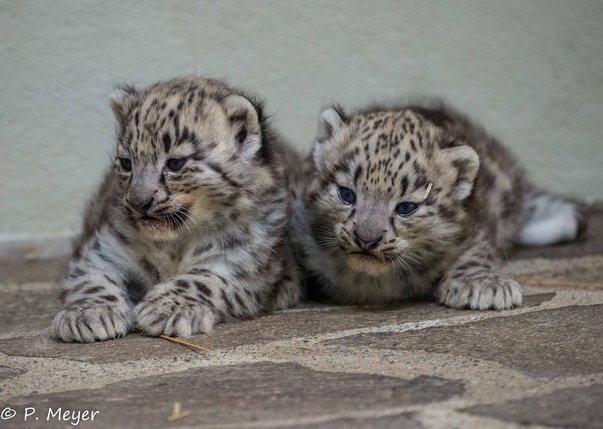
point(126, 164)
point(347, 195)
point(406, 208)
point(176, 164)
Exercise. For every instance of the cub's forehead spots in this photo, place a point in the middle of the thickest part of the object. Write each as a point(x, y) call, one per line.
point(386, 153)
point(163, 119)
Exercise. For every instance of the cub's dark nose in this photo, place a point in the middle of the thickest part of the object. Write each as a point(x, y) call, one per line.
point(366, 243)
point(142, 206)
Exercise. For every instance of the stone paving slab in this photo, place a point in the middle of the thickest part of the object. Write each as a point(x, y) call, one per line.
point(33, 270)
point(579, 407)
point(567, 273)
point(239, 394)
point(404, 420)
point(27, 310)
point(8, 372)
point(549, 343)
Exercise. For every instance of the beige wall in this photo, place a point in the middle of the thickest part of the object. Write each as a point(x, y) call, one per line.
point(530, 71)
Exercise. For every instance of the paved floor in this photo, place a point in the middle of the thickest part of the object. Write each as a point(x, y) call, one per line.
point(416, 365)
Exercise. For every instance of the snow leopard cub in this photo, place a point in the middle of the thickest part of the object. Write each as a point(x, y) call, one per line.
point(396, 204)
point(189, 226)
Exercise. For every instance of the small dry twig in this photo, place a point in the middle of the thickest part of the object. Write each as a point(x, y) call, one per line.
point(177, 412)
point(308, 349)
point(185, 343)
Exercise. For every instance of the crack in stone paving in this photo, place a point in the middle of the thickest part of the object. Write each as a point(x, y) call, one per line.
point(433, 415)
point(436, 417)
point(323, 418)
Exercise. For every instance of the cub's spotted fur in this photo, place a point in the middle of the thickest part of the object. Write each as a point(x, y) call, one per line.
point(189, 226)
point(396, 204)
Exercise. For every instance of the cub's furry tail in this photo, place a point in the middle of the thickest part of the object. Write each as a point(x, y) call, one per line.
point(550, 219)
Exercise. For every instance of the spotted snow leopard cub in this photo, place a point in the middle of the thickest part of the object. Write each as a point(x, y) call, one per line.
point(189, 226)
point(397, 204)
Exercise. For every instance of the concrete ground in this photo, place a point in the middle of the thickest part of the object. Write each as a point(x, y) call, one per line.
point(417, 365)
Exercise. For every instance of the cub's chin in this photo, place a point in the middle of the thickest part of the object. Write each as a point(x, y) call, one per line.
point(158, 229)
point(365, 263)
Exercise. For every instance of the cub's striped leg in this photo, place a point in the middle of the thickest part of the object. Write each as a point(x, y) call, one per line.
point(287, 291)
point(95, 301)
point(475, 282)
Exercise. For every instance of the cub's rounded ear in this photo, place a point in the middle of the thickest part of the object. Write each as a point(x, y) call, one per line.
point(122, 100)
point(329, 123)
point(245, 123)
point(464, 162)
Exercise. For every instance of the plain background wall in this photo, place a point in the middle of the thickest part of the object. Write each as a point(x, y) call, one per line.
point(530, 71)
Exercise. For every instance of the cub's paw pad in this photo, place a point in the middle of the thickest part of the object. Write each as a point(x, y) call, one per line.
point(490, 293)
point(86, 325)
point(173, 316)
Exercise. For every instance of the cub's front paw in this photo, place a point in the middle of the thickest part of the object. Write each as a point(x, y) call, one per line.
point(288, 295)
point(86, 325)
point(489, 293)
point(173, 316)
